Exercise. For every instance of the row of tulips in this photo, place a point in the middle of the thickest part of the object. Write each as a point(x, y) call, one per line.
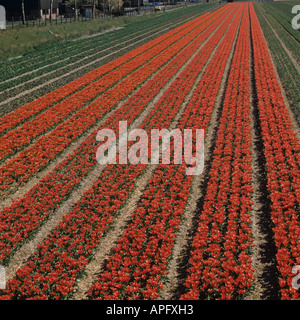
point(138, 266)
point(60, 260)
point(9, 121)
point(282, 154)
point(20, 137)
point(25, 215)
point(220, 261)
point(20, 169)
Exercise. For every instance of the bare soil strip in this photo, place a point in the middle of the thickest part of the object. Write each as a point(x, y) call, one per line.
point(177, 269)
point(96, 266)
point(88, 36)
point(263, 256)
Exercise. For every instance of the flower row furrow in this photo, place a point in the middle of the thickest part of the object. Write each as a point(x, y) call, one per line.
point(282, 154)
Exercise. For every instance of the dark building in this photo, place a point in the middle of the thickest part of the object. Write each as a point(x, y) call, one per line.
point(132, 3)
point(33, 8)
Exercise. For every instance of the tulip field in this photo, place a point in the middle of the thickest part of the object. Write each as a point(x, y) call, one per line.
point(72, 228)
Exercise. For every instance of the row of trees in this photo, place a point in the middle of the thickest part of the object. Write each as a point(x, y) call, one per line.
point(111, 5)
point(107, 5)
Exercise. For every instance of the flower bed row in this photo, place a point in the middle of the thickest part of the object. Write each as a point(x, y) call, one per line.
point(27, 111)
point(27, 214)
point(62, 257)
point(19, 169)
point(220, 261)
point(282, 154)
point(62, 76)
point(16, 139)
point(139, 265)
point(75, 65)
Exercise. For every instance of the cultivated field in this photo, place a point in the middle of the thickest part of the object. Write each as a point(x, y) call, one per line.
point(71, 228)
